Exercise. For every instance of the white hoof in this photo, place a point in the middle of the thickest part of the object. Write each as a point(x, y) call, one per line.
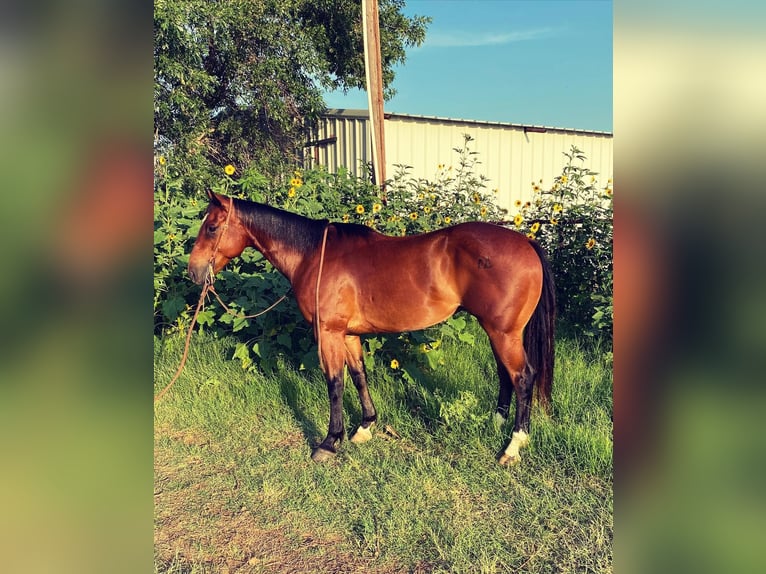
point(511, 454)
point(362, 435)
point(505, 460)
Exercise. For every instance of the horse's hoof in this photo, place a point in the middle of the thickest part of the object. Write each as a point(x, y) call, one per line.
point(362, 435)
point(505, 460)
point(322, 455)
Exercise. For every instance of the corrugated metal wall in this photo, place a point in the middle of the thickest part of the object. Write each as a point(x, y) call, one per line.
point(511, 156)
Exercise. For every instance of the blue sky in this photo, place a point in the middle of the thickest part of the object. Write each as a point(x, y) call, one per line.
point(543, 62)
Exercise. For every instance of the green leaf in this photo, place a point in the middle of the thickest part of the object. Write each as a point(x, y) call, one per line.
point(206, 317)
point(240, 323)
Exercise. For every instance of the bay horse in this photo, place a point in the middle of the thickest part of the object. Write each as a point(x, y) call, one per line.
point(350, 280)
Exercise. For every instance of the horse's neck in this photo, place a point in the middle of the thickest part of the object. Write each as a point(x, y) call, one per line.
point(274, 235)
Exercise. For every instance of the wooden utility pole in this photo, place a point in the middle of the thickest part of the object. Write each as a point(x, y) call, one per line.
point(374, 76)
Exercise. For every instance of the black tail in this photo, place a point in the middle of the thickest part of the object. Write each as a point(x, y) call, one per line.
point(539, 333)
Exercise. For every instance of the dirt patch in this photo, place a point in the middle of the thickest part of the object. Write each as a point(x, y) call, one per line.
point(197, 530)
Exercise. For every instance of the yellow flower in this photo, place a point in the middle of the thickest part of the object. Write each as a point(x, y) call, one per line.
point(229, 169)
point(554, 221)
point(557, 208)
point(448, 220)
point(564, 179)
point(536, 188)
point(518, 219)
point(476, 198)
point(413, 216)
point(535, 227)
point(296, 182)
point(423, 348)
point(376, 207)
point(608, 191)
point(517, 203)
point(483, 211)
point(590, 244)
point(360, 209)
point(291, 192)
point(161, 160)
point(346, 218)
point(394, 364)
point(527, 205)
point(531, 235)
point(496, 191)
point(426, 209)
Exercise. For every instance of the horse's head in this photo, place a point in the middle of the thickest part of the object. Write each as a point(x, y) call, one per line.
point(221, 238)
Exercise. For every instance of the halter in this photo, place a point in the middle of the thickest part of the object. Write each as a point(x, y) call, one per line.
point(211, 264)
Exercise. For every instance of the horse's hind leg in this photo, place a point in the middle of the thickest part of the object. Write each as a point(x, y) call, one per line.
point(505, 394)
point(355, 363)
point(509, 352)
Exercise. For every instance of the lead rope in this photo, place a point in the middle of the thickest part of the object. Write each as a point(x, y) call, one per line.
point(208, 286)
point(317, 329)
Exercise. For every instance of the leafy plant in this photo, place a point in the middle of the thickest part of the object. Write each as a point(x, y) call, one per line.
point(573, 220)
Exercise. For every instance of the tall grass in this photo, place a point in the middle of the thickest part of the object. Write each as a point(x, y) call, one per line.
point(425, 495)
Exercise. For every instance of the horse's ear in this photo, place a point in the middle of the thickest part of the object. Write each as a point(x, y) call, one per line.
point(214, 198)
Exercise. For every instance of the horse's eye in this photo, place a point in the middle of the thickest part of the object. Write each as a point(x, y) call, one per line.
point(212, 229)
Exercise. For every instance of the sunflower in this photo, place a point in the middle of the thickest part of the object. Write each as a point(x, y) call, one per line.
point(291, 192)
point(394, 364)
point(483, 211)
point(376, 207)
point(346, 217)
point(426, 209)
point(360, 209)
point(518, 219)
point(590, 244)
point(448, 220)
point(229, 169)
point(535, 227)
point(413, 216)
point(557, 208)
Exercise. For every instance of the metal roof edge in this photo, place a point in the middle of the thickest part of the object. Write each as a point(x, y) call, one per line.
point(363, 114)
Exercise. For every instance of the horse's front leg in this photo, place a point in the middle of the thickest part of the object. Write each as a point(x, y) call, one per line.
point(355, 363)
point(332, 355)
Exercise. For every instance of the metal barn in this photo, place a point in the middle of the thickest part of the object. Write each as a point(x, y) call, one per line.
point(511, 156)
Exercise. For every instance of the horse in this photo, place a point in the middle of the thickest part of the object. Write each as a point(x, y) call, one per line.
point(350, 280)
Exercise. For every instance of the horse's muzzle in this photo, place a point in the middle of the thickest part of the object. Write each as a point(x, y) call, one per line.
point(198, 274)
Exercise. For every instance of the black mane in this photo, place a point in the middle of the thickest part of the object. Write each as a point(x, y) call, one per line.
point(300, 233)
point(295, 231)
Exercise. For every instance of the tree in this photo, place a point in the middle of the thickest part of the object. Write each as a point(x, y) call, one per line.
point(240, 81)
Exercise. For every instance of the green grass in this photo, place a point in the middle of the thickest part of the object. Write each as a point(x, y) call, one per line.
point(236, 490)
